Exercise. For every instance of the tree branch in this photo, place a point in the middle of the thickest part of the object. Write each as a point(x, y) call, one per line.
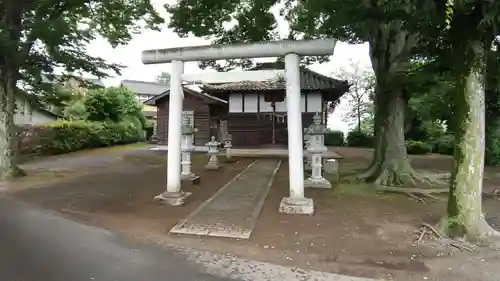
point(57, 11)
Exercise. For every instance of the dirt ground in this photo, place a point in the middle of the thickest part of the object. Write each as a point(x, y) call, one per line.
point(354, 230)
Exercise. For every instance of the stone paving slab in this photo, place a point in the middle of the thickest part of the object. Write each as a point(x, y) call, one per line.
point(233, 210)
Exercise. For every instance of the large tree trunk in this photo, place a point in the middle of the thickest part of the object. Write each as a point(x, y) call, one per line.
point(464, 213)
point(8, 136)
point(9, 75)
point(389, 53)
point(390, 165)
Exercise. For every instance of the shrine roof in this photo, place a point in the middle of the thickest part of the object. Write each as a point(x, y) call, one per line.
point(206, 97)
point(309, 80)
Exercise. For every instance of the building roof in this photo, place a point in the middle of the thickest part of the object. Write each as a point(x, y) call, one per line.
point(152, 101)
point(94, 81)
point(143, 87)
point(35, 103)
point(47, 112)
point(309, 80)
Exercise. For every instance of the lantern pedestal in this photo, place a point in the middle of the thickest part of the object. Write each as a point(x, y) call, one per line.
point(213, 150)
point(298, 206)
point(228, 147)
point(187, 149)
point(172, 198)
point(316, 150)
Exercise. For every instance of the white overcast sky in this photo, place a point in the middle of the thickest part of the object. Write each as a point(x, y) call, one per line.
point(130, 57)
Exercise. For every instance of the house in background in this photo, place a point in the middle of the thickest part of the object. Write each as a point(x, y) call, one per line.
point(29, 112)
point(253, 112)
point(145, 91)
point(74, 84)
point(204, 111)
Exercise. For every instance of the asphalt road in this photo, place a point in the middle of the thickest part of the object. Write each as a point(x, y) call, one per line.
point(36, 245)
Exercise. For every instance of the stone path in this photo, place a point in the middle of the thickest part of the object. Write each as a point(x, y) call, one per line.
point(85, 159)
point(233, 210)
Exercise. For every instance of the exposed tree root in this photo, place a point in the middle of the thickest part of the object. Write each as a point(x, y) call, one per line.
point(461, 235)
point(419, 194)
point(493, 195)
point(428, 226)
point(433, 234)
point(396, 178)
point(13, 173)
point(462, 246)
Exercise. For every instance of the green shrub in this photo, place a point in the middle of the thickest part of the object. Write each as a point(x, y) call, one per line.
point(445, 145)
point(334, 138)
point(359, 139)
point(492, 153)
point(68, 136)
point(418, 147)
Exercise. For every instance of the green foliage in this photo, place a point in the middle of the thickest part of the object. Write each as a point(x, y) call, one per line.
point(492, 155)
point(68, 136)
point(334, 138)
point(111, 104)
point(359, 139)
point(58, 97)
point(445, 145)
point(76, 111)
point(163, 77)
point(230, 22)
point(432, 88)
point(434, 130)
point(418, 147)
point(38, 36)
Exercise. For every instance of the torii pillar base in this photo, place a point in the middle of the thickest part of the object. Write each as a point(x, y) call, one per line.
point(172, 198)
point(297, 206)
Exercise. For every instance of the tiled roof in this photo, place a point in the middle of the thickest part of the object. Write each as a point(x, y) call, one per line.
point(35, 103)
point(309, 80)
point(143, 87)
point(152, 101)
point(95, 81)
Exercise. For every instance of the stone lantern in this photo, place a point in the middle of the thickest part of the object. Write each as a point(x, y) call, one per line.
point(228, 145)
point(307, 141)
point(187, 148)
point(317, 149)
point(213, 150)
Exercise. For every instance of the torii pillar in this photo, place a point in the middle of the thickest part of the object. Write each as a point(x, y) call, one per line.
point(296, 203)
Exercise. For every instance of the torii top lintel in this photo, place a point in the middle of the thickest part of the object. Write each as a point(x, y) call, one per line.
point(317, 47)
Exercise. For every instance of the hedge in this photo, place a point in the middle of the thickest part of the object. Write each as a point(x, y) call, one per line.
point(359, 139)
point(445, 145)
point(68, 136)
point(418, 147)
point(334, 138)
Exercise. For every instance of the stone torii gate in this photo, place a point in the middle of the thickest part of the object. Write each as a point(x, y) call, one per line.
point(291, 50)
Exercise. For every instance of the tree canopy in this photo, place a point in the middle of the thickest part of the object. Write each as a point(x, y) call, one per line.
point(163, 77)
point(38, 38)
